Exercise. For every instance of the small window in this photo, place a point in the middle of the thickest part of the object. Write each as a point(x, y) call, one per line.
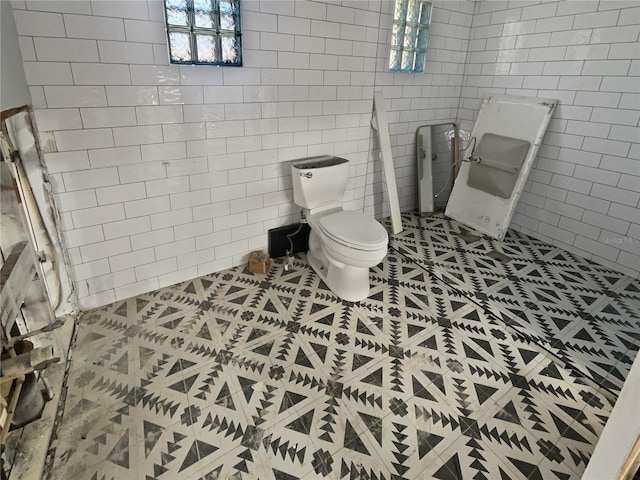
point(411, 19)
point(204, 32)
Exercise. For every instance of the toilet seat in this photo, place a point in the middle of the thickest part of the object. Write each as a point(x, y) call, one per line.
point(355, 230)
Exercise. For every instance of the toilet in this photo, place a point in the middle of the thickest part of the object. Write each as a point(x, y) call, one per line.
point(343, 244)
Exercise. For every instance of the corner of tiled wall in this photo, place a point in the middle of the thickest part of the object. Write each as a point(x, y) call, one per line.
point(584, 191)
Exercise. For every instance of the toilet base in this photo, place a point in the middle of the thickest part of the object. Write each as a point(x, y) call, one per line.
point(347, 282)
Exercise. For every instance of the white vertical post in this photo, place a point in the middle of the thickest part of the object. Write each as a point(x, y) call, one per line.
point(381, 126)
point(614, 452)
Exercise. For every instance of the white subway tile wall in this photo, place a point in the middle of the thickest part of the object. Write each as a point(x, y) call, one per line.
point(583, 193)
point(167, 172)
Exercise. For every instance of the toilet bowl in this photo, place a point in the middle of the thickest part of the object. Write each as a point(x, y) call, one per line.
point(343, 244)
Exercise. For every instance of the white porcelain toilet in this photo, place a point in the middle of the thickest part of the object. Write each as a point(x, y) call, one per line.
point(343, 244)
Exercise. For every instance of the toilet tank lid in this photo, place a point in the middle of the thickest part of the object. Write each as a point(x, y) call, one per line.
point(318, 162)
point(355, 227)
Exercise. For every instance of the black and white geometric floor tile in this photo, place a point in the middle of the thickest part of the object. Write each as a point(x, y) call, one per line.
point(586, 314)
point(271, 376)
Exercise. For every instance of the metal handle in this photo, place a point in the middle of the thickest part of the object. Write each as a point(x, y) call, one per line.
point(306, 174)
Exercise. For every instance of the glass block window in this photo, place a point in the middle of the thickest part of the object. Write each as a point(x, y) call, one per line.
point(411, 19)
point(204, 32)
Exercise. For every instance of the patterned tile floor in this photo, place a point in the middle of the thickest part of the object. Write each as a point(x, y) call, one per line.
point(436, 375)
point(584, 313)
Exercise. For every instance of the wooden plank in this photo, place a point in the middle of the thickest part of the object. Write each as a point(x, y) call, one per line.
point(382, 127)
point(632, 465)
point(11, 408)
point(16, 276)
point(12, 111)
point(10, 264)
point(20, 365)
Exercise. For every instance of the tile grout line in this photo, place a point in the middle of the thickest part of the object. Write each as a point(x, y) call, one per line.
point(513, 330)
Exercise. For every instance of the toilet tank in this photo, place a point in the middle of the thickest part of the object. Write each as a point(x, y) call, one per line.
point(319, 181)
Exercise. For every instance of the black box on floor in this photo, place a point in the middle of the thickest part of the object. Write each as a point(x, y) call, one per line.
point(278, 243)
